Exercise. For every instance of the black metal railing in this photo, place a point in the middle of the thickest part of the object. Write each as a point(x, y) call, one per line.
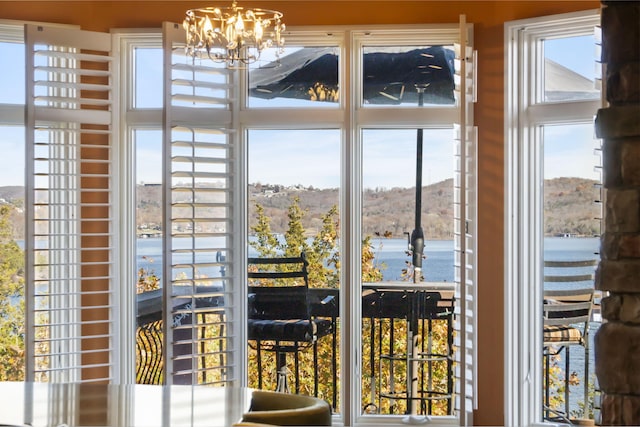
point(385, 365)
point(149, 353)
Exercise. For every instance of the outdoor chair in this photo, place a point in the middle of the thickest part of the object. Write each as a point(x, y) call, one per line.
point(279, 317)
point(567, 313)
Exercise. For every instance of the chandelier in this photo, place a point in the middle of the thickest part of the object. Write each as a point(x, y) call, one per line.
point(234, 35)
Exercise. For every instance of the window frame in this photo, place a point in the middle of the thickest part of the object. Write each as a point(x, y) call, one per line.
point(364, 117)
point(524, 115)
point(63, 159)
point(132, 119)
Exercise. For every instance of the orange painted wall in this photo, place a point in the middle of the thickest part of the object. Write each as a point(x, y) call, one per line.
point(488, 18)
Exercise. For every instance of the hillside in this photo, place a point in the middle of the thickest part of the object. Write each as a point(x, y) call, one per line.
point(11, 193)
point(569, 207)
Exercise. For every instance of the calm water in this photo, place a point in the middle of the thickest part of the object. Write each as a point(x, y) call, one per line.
point(391, 256)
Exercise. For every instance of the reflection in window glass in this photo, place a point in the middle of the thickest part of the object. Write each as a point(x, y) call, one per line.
point(388, 219)
point(148, 78)
point(304, 77)
point(12, 81)
point(294, 176)
point(393, 75)
point(569, 69)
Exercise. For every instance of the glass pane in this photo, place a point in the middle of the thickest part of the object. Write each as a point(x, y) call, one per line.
point(401, 315)
point(149, 208)
point(12, 81)
point(148, 78)
point(148, 179)
point(294, 176)
point(12, 260)
point(569, 69)
point(571, 230)
point(304, 77)
point(393, 75)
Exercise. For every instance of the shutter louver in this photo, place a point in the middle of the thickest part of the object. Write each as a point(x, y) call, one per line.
point(465, 137)
point(70, 228)
point(198, 217)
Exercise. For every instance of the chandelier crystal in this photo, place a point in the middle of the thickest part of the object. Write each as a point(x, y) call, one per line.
point(233, 35)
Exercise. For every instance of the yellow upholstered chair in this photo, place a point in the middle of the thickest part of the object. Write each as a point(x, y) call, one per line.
point(282, 409)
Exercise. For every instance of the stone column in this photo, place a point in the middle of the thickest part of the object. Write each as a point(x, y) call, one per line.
point(617, 343)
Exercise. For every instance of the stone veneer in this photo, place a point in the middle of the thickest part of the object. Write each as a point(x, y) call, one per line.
point(617, 342)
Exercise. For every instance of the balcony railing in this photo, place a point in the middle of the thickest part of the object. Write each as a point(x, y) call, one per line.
point(407, 351)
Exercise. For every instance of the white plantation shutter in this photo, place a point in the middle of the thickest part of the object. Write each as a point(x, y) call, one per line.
point(69, 236)
point(465, 136)
point(199, 225)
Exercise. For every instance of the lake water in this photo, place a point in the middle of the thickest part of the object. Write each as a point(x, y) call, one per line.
point(391, 255)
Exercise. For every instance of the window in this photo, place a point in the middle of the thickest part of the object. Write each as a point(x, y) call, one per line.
point(447, 166)
point(553, 94)
point(12, 204)
point(211, 135)
point(294, 128)
point(388, 117)
point(293, 208)
point(390, 206)
point(141, 193)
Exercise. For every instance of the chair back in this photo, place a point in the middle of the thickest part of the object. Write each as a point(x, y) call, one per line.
point(567, 311)
point(578, 271)
point(278, 288)
point(567, 306)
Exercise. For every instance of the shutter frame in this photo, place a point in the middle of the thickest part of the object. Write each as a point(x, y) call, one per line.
point(199, 154)
point(465, 220)
point(70, 292)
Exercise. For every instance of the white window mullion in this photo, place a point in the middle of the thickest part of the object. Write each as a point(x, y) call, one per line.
point(564, 112)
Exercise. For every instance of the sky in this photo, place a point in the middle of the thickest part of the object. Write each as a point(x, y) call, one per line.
point(389, 157)
point(575, 53)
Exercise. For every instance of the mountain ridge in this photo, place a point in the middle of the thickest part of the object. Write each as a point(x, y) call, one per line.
point(569, 207)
